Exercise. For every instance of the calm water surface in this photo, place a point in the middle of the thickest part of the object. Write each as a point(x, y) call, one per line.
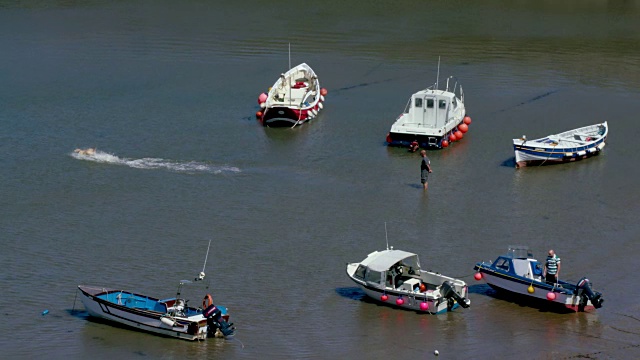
point(167, 91)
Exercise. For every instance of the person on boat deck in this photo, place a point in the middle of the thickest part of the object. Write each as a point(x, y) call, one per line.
point(551, 268)
point(414, 146)
point(425, 169)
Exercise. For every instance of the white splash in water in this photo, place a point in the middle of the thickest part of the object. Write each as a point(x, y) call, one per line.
point(155, 163)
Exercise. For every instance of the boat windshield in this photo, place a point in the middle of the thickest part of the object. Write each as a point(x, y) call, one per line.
point(373, 276)
point(519, 252)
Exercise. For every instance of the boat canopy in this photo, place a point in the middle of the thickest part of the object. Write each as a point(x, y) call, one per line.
point(383, 260)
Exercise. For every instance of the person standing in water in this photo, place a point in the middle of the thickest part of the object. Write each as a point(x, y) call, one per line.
point(425, 169)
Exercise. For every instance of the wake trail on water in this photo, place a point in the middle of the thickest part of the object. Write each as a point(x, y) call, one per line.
point(156, 163)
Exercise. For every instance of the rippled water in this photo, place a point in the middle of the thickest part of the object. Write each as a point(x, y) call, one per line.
point(167, 93)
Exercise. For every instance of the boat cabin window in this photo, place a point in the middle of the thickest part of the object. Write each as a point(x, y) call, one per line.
point(360, 272)
point(442, 104)
point(454, 101)
point(502, 263)
point(430, 103)
point(418, 102)
point(373, 276)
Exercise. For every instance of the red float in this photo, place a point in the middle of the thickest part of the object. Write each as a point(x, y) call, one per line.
point(551, 296)
point(467, 120)
point(423, 288)
point(463, 127)
point(323, 92)
point(259, 114)
point(399, 301)
point(384, 297)
point(477, 276)
point(459, 135)
point(389, 139)
point(452, 137)
point(445, 143)
point(424, 306)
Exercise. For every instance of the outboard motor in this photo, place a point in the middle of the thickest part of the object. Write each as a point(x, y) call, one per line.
point(449, 292)
point(595, 297)
point(215, 322)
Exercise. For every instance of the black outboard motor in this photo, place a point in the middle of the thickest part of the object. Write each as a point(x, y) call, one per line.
point(215, 322)
point(595, 297)
point(449, 292)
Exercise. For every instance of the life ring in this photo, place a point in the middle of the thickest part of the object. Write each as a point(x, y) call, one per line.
point(207, 301)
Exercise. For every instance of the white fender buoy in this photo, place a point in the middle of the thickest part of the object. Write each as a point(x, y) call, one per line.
point(167, 321)
point(321, 98)
point(320, 105)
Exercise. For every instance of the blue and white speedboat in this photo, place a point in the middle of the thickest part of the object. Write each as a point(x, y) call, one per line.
point(517, 272)
point(170, 317)
point(394, 277)
point(572, 145)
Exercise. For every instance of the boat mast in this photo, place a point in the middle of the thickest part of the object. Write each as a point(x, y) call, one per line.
point(385, 234)
point(438, 76)
point(289, 81)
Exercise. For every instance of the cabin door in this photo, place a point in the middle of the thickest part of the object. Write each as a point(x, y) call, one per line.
point(429, 113)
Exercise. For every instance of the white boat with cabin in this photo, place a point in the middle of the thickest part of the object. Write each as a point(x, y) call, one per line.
point(433, 117)
point(394, 277)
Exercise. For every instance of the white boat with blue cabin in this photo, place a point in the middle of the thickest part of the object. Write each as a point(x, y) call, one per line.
point(572, 145)
point(394, 277)
point(519, 273)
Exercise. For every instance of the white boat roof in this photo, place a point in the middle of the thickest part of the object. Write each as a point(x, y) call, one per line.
point(383, 260)
point(430, 91)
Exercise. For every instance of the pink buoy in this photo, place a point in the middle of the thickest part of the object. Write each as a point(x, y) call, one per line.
point(323, 92)
point(452, 137)
point(467, 120)
point(445, 143)
point(424, 306)
point(384, 297)
point(463, 127)
point(477, 276)
point(399, 301)
point(459, 135)
point(551, 296)
point(262, 98)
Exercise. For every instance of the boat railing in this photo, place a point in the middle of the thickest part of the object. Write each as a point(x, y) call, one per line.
point(519, 252)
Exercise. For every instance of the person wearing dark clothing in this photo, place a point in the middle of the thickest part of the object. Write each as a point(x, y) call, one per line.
point(425, 169)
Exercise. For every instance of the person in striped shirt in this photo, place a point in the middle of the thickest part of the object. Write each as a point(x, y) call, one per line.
point(551, 268)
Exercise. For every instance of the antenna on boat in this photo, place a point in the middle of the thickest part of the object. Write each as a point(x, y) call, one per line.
point(289, 55)
point(201, 275)
point(385, 234)
point(438, 76)
point(289, 81)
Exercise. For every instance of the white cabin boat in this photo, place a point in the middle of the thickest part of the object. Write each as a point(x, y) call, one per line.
point(572, 145)
point(394, 277)
point(434, 118)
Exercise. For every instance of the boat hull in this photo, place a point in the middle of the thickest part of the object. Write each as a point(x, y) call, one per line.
point(410, 300)
point(192, 328)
